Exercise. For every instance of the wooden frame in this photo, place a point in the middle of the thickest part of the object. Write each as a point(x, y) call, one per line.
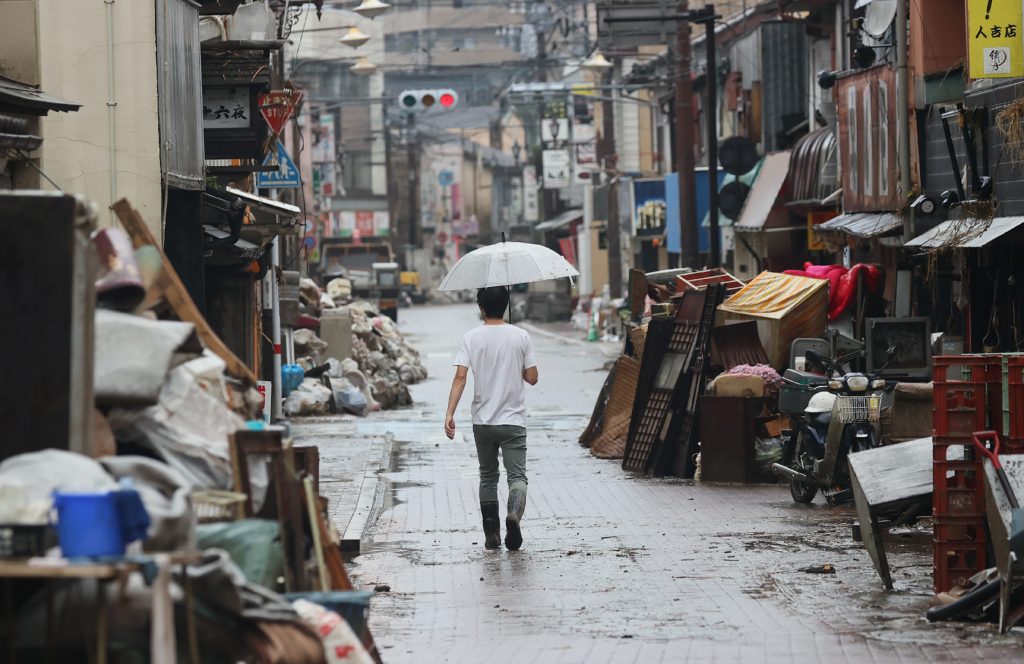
point(286, 505)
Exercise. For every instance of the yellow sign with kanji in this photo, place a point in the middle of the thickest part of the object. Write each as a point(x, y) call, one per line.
point(995, 38)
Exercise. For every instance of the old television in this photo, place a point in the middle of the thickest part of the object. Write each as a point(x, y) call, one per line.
point(911, 340)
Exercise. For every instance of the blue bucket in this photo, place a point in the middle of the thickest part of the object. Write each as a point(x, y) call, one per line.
point(99, 524)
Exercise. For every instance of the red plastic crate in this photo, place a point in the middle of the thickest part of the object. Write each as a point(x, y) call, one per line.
point(1015, 387)
point(958, 483)
point(953, 529)
point(966, 394)
point(955, 562)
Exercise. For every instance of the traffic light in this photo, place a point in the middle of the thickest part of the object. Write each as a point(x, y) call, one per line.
point(425, 100)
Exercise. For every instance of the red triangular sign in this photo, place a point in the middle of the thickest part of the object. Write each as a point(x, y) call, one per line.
point(278, 106)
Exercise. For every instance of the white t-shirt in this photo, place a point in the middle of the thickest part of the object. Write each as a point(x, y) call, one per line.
point(497, 355)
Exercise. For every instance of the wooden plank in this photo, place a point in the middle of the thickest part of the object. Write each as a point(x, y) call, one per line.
point(870, 531)
point(177, 296)
point(895, 473)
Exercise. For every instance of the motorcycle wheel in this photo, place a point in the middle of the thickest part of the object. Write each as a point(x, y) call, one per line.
point(802, 492)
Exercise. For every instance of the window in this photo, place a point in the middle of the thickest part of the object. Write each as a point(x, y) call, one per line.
point(851, 135)
point(869, 144)
point(883, 138)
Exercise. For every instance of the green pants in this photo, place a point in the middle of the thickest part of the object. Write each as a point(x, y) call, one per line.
point(511, 440)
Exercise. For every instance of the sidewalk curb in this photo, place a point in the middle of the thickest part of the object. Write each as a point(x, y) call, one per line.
point(371, 499)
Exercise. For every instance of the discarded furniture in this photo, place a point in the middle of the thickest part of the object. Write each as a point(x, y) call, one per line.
point(47, 276)
point(284, 495)
point(728, 429)
point(886, 481)
point(999, 514)
point(54, 570)
point(785, 307)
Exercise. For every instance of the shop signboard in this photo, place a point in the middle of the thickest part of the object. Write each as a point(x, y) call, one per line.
point(995, 39)
point(323, 149)
point(649, 206)
point(364, 223)
point(226, 108)
point(531, 204)
point(346, 223)
point(557, 168)
point(381, 223)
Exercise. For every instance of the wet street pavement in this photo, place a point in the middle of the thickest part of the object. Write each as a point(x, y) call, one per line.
point(617, 568)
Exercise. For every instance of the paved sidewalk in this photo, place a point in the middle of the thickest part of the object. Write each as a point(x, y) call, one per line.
point(616, 568)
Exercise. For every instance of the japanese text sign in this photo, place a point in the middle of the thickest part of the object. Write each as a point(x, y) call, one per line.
point(277, 107)
point(995, 39)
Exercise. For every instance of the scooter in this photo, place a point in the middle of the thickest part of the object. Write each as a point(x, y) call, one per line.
point(839, 418)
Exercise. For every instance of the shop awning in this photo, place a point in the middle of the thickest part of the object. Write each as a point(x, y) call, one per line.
point(862, 224)
point(561, 220)
point(16, 97)
point(967, 233)
point(763, 194)
point(266, 205)
point(240, 248)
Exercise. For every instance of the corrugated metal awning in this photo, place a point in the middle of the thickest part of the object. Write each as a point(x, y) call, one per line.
point(967, 233)
point(266, 204)
point(561, 220)
point(762, 195)
point(862, 224)
point(17, 97)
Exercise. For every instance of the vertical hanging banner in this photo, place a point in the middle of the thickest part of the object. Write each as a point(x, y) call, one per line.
point(995, 43)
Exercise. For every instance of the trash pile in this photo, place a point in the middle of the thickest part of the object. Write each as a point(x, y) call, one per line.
point(372, 372)
point(181, 497)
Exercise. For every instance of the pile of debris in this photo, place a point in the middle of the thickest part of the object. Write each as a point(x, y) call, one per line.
point(372, 373)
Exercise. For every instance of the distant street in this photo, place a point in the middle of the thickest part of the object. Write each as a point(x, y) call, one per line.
point(616, 568)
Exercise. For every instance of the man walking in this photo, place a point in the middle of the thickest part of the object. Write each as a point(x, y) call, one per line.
point(501, 357)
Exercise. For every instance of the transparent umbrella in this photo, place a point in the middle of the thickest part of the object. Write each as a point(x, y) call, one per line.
point(505, 264)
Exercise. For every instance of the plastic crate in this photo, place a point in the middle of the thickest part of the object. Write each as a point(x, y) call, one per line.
point(953, 529)
point(955, 562)
point(966, 395)
point(1012, 425)
point(958, 483)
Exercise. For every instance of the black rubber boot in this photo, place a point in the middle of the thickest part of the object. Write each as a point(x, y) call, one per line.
point(516, 506)
point(492, 525)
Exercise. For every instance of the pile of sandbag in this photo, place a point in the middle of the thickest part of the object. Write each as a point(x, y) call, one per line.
point(379, 372)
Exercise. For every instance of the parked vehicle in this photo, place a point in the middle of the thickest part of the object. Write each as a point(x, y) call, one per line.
point(832, 416)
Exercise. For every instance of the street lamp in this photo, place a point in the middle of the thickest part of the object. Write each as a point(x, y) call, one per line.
point(371, 8)
point(363, 67)
point(354, 37)
point(597, 62)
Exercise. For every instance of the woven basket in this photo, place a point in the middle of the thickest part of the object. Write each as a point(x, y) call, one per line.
point(212, 505)
point(639, 337)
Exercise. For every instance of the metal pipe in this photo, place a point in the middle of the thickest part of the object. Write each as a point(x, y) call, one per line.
point(903, 112)
point(111, 107)
point(790, 474)
point(276, 392)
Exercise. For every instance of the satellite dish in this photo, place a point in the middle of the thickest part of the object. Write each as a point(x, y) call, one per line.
point(731, 198)
point(737, 155)
point(878, 17)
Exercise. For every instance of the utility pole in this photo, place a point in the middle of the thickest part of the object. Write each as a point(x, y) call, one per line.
point(414, 190)
point(711, 122)
point(685, 165)
point(611, 170)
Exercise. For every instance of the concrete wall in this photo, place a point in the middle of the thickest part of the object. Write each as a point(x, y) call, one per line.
point(73, 65)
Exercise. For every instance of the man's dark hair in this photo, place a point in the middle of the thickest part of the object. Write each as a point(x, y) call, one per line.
point(493, 301)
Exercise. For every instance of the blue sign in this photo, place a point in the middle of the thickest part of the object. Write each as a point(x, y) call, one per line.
point(445, 178)
point(285, 177)
point(672, 239)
